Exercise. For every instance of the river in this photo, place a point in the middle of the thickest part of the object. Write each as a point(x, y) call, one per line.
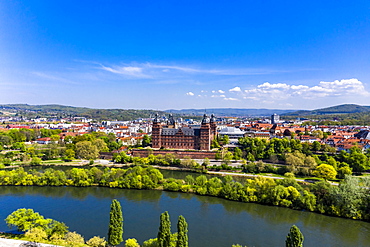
point(212, 221)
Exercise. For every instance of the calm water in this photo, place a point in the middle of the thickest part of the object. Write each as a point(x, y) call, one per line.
point(212, 221)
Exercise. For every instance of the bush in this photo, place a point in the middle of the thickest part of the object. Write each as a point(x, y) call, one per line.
point(96, 242)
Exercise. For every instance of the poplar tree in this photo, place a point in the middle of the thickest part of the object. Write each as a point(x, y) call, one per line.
point(164, 233)
point(115, 230)
point(295, 237)
point(182, 232)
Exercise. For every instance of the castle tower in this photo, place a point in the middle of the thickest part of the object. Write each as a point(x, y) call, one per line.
point(205, 134)
point(213, 126)
point(156, 133)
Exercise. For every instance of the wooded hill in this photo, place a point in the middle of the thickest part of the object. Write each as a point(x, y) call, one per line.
point(339, 109)
point(61, 111)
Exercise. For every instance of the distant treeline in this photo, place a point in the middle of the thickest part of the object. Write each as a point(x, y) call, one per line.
point(60, 111)
point(351, 199)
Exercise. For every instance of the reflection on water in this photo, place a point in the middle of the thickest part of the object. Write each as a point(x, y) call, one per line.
point(212, 221)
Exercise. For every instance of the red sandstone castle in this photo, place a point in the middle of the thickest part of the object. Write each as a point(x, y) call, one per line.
point(170, 136)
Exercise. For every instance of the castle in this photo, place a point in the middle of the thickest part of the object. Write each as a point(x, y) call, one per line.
point(171, 136)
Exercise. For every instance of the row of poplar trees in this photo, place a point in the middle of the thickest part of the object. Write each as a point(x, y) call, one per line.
point(115, 231)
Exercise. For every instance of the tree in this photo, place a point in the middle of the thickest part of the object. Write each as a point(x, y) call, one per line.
point(36, 235)
point(115, 231)
point(182, 232)
point(344, 170)
point(35, 161)
point(131, 242)
point(164, 233)
point(70, 154)
point(86, 150)
point(101, 145)
point(74, 239)
point(96, 242)
point(295, 237)
point(146, 141)
point(26, 219)
point(238, 153)
point(325, 171)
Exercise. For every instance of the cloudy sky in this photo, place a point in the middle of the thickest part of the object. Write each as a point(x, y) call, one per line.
point(185, 54)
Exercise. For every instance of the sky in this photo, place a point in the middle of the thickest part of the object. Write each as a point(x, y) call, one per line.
point(185, 54)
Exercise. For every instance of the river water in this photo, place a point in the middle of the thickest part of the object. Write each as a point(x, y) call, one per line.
point(212, 221)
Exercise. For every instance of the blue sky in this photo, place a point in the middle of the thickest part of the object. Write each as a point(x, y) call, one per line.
point(185, 54)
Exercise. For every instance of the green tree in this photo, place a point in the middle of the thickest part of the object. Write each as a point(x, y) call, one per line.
point(146, 141)
point(35, 161)
point(325, 171)
point(295, 237)
point(101, 145)
point(36, 235)
point(182, 232)
point(96, 242)
point(70, 154)
point(131, 242)
point(74, 239)
point(26, 219)
point(115, 231)
point(237, 153)
point(86, 150)
point(164, 233)
point(344, 170)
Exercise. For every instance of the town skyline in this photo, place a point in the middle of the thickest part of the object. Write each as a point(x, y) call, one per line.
point(185, 55)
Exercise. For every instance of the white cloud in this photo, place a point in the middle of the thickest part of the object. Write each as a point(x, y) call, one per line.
point(190, 93)
point(127, 70)
point(235, 89)
point(278, 92)
point(220, 91)
point(277, 85)
point(299, 87)
point(345, 86)
point(233, 99)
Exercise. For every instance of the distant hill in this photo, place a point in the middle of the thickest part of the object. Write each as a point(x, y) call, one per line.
point(61, 111)
point(339, 109)
point(230, 112)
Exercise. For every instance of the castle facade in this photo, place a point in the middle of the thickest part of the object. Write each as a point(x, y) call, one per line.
point(174, 137)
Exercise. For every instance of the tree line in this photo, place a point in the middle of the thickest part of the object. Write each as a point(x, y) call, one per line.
point(350, 199)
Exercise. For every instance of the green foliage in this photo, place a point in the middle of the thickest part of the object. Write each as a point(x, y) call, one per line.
point(86, 150)
point(164, 233)
point(150, 243)
point(115, 230)
point(182, 232)
point(295, 237)
point(131, 242)
point(325, 171)
point(36, 235)
point(26, 219)
point(74, 239)
point(96, 242)
point(35, 161)
point(343, 171)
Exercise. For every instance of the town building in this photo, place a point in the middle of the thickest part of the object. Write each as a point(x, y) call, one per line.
point(172, 136)
point(275, 118)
